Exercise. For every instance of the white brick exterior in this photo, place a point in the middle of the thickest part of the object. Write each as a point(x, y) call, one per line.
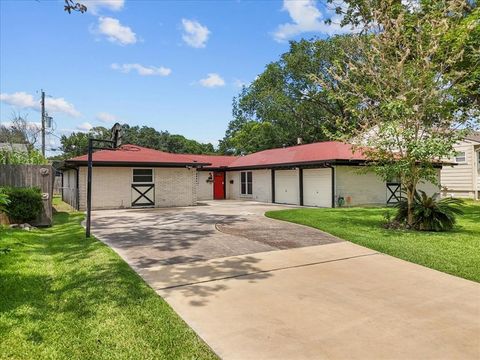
point(363, 188)
point(111, 187)
point(204, 188)
point(262, 186)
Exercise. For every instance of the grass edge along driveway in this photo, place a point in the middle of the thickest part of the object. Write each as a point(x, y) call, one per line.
point(456, 252)
point(64, 296)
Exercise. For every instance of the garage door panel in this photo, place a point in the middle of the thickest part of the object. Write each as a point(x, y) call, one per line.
point(317, 187)
point(286, 187)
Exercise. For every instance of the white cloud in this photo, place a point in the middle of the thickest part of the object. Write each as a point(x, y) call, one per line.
point(195, 34)
point(93, 6)
point(306, 17)
point(142, 70)
point(22, 100)
point(116, 32)
point(60, 105)
point(85, 126)
point(239, 83)
point(212, 80)
point(106, 117)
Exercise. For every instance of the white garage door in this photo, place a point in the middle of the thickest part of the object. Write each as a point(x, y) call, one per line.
point(286, 187)
point(317, 187)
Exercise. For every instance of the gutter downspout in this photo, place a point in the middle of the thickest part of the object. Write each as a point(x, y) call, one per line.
point(77, 190)
point(333, 186)
point(476, 158)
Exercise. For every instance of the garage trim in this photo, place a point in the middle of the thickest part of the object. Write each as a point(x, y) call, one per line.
point(300, 185)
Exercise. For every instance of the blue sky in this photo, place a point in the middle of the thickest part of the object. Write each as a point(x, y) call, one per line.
point(173, 65)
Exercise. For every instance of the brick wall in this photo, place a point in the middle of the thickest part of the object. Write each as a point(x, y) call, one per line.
point(111, 187)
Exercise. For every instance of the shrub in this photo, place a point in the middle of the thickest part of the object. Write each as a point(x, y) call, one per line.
point(4, 201)
point(25, 203)
point(15, 157)
point(430, 213)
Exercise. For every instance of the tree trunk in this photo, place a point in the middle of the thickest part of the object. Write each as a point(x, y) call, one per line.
point(410, 199)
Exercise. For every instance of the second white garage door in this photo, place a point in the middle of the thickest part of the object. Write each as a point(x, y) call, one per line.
point(317, 187)
point(286, 187)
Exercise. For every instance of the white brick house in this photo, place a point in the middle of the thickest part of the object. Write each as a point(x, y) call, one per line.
point(326, 174)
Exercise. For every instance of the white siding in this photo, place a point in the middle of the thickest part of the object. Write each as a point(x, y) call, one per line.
point(204, 188)
point(287, 187)
point(460, 177)
point(111, 187)
point(317, 187)
point(69, 189)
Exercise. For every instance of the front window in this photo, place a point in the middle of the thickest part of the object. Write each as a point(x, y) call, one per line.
point(246, 183)
point(460, 157)
point(143, 175)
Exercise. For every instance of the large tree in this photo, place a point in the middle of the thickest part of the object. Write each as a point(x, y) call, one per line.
point(20, 131)
point(284, 103)
point(411, 92)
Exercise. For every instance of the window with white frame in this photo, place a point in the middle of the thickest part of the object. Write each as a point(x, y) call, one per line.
point(246, 183)
point(460, 157)
point(143, 175)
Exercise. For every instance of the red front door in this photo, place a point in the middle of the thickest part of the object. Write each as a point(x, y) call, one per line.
point(219, 185)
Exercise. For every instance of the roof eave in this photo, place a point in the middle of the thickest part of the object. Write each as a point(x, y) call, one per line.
point(136, 164)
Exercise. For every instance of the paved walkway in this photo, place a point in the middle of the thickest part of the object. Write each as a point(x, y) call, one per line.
point(333, 300)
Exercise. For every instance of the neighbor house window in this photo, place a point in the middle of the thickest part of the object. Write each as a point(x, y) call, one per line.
point(246, 187)
point(143, 175)
point(460, 157)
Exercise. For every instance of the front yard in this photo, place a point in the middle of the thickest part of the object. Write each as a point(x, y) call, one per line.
point(67, 297)
point(456, 252)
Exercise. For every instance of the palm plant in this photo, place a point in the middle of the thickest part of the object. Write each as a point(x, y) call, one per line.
point(430, 213)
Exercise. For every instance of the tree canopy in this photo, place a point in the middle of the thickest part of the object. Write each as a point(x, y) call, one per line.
point(76, 143)
point(413, 91)
point(284, 103)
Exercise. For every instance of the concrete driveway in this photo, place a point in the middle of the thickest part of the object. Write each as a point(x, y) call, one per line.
point(256, 288)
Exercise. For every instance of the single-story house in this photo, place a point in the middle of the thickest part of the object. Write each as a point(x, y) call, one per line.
point(324, 174)
point(463, 179)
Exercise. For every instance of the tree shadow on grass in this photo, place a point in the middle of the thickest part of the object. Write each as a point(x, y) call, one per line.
point(57, 273)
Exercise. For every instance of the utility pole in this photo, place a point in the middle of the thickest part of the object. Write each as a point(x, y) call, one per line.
point(43, 123)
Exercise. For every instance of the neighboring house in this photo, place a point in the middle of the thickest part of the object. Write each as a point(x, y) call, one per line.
point(463, 179)
point(321, 174)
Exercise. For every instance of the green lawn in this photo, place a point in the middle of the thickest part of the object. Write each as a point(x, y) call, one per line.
point(65, 297)
point(456, 252)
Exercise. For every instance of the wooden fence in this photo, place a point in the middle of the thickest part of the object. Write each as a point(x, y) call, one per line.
point(41, 176)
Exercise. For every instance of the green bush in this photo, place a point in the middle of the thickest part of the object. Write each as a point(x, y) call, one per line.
point(25, 203)
point(430, 213)
point(4, 201)
point(14, 157)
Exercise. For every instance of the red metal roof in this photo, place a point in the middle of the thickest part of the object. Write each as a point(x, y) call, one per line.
point(137, 154)
point(215, 161)
point(308, 153)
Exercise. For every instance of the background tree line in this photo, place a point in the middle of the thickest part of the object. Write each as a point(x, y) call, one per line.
point(76, 143)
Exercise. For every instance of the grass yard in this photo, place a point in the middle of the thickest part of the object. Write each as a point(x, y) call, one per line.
point(456, 252)
point(63, 296)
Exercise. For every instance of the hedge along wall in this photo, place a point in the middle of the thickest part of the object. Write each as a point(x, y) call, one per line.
point(40, 176)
